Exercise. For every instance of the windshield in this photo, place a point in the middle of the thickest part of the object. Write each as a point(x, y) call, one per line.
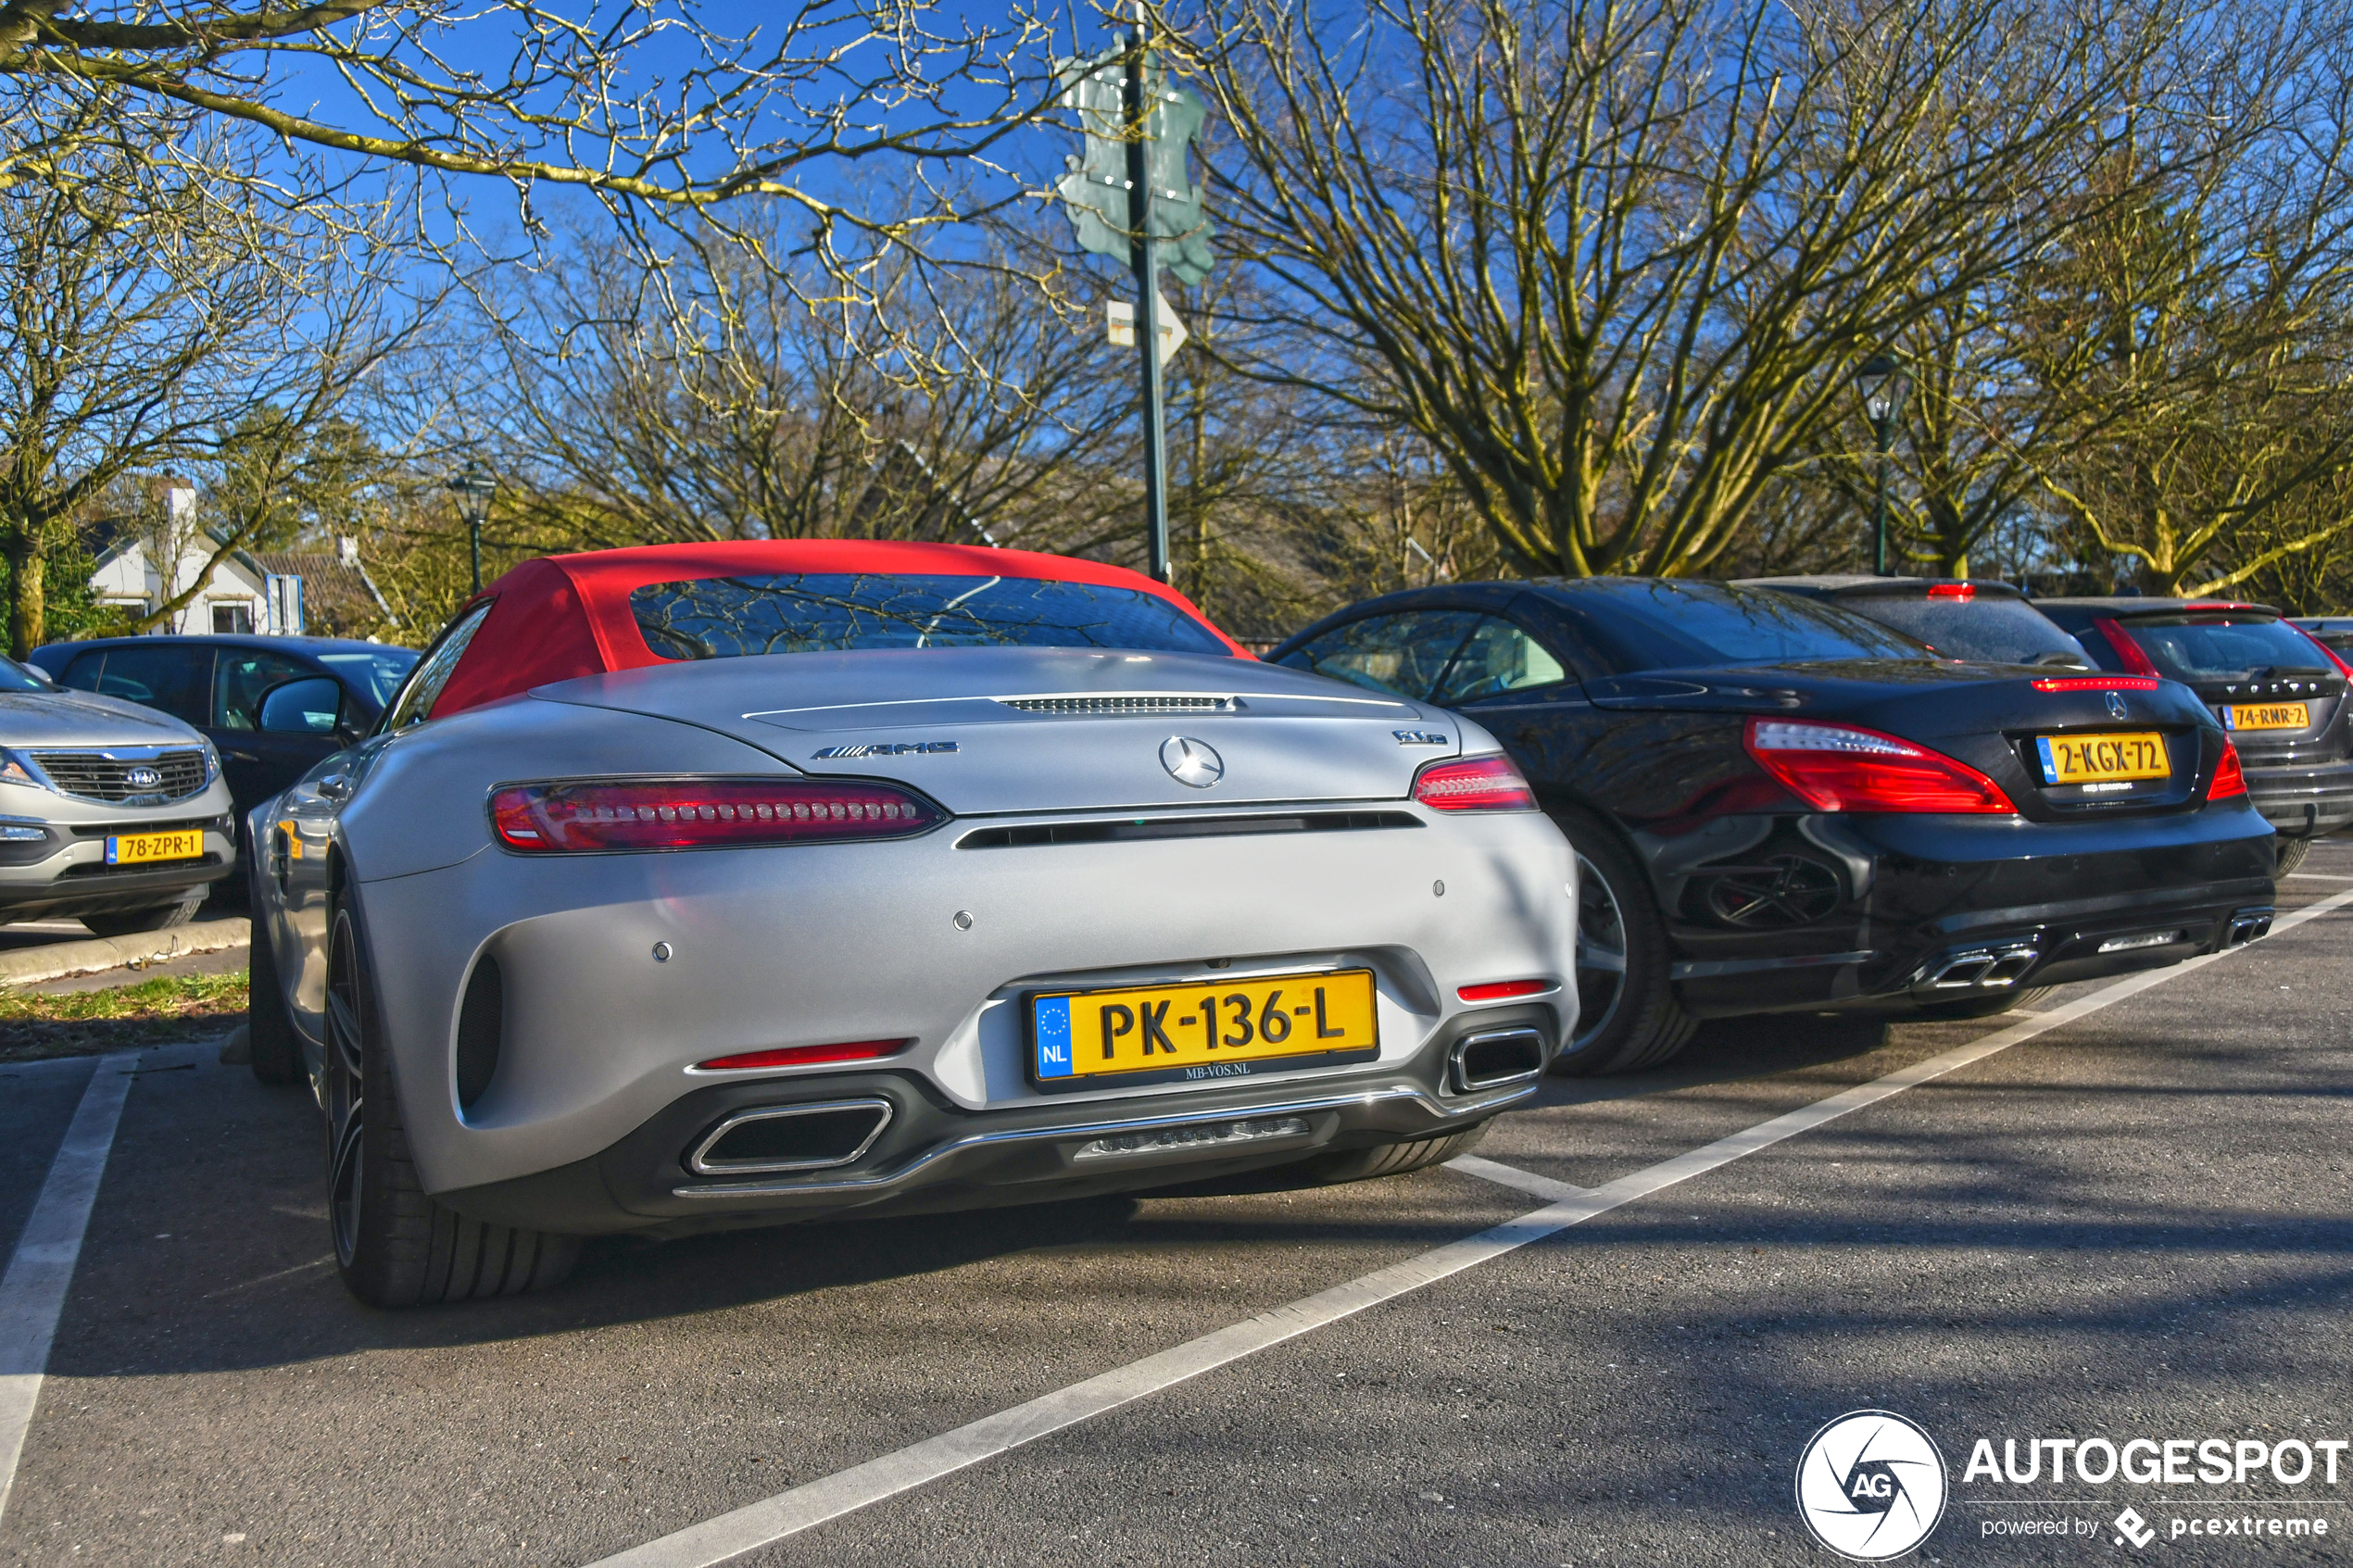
point(1993, 631)
point(832, 612)
point(2213, 647)
point(1647, 624)
point(378, 672)
point(15, 677)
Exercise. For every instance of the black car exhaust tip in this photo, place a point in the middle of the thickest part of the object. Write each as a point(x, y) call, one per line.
point(768, 1139)
point(2246, 925)
point(1493, 1060)
point(1978, 969)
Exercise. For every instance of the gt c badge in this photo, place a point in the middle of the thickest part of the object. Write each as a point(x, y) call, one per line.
point(1418, 737)
point(1189, 761)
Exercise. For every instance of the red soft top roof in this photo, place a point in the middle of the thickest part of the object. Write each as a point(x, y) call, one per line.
point(561, 616)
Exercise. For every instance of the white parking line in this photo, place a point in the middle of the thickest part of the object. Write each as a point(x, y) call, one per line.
point(2314, 876)
point(746, 1529)
point(33, 1290)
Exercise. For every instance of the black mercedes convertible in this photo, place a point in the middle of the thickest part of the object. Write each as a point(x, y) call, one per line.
point(1781, 805)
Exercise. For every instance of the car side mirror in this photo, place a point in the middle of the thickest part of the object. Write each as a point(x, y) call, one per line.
point(308, 705)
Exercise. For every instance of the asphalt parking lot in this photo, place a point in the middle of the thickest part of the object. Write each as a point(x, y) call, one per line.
point(2130, 1215)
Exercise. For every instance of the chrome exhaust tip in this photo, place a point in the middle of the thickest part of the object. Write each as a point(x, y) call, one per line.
point(773, 1138)
point(1494, 1059)
point(2249, 925)
point(1978, 969)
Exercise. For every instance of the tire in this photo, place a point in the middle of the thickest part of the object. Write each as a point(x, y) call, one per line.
point(1389, 1159)
point(1984, 1007)
point(394, 1244)
point(130, 922)
point(2291, 852)
point(1627, 1014)
point(276, 1053)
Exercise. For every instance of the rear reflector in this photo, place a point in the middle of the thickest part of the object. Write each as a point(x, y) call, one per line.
point(1474, 783)
point(1846, 768)
point(1953, 591)
point(800, 1055)
point(2097, 683)
point(2126, 648)
point(2229, 778)
point(1497, 990)
point(703, 813)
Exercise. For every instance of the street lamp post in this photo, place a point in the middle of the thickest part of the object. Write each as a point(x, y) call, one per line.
point(1880, 381)
point(473, 486)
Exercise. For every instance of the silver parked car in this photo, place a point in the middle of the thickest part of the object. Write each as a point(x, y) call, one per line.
point(761, 883)
point(110, 813)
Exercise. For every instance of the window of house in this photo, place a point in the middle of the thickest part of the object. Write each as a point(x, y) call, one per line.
point(237, 619)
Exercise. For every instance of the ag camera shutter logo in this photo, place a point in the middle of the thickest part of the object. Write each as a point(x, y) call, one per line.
point(1870, 1486)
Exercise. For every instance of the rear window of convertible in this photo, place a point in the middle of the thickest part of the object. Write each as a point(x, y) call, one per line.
point(835, 612)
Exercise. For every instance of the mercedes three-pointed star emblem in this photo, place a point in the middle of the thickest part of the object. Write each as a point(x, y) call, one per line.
point(1191, 762)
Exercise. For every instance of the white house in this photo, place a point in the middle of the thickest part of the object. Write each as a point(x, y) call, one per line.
point(275, 593)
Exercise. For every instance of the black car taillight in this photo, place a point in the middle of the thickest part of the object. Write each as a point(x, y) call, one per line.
point(1847, 767)
point(2135, 660)
point(589, 816)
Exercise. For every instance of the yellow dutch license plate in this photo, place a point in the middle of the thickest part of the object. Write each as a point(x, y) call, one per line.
point(1147, 1033)
point(133, 849)
point(2270, 716)
point(2074, 759)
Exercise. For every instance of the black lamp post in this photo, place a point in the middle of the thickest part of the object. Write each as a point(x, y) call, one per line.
point(473, 485)
point(1880, 381)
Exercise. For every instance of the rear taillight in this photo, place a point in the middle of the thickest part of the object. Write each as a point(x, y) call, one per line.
point(2230, 779)
point(587, 817)
point(2126, 648)
point(1474, 783)
point(1843, 768)
point(802, 1056)
point(2097, 683)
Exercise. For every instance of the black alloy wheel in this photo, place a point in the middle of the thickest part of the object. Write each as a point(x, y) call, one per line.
point(394, 1246)
point(1627, 1014)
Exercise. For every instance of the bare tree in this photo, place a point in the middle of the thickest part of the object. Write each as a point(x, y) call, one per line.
point(153, 318)
point(1616, 259)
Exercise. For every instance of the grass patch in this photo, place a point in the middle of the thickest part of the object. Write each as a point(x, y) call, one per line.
point(151, 1012)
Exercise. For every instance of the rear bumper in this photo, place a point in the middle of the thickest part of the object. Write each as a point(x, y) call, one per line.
point(932, 1155)
point(2045, 904)
point(2303, 802)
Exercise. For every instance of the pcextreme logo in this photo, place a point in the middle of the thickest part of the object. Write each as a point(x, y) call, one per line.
point(1870, 1486)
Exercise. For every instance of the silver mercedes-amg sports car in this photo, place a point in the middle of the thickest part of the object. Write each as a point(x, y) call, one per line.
point(694, 887)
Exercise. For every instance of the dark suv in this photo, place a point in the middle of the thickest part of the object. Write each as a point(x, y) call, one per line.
point(2280, 692)
point(217, 684)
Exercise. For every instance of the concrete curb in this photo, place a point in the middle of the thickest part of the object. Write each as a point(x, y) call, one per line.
point(55, 962)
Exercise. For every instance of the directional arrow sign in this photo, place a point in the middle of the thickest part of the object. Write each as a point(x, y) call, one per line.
point(1121, 317)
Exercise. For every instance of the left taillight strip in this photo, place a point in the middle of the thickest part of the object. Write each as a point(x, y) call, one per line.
point(603, 816)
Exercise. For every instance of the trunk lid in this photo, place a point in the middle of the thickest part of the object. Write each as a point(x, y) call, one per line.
point(1995, 717)
point(986, 730)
